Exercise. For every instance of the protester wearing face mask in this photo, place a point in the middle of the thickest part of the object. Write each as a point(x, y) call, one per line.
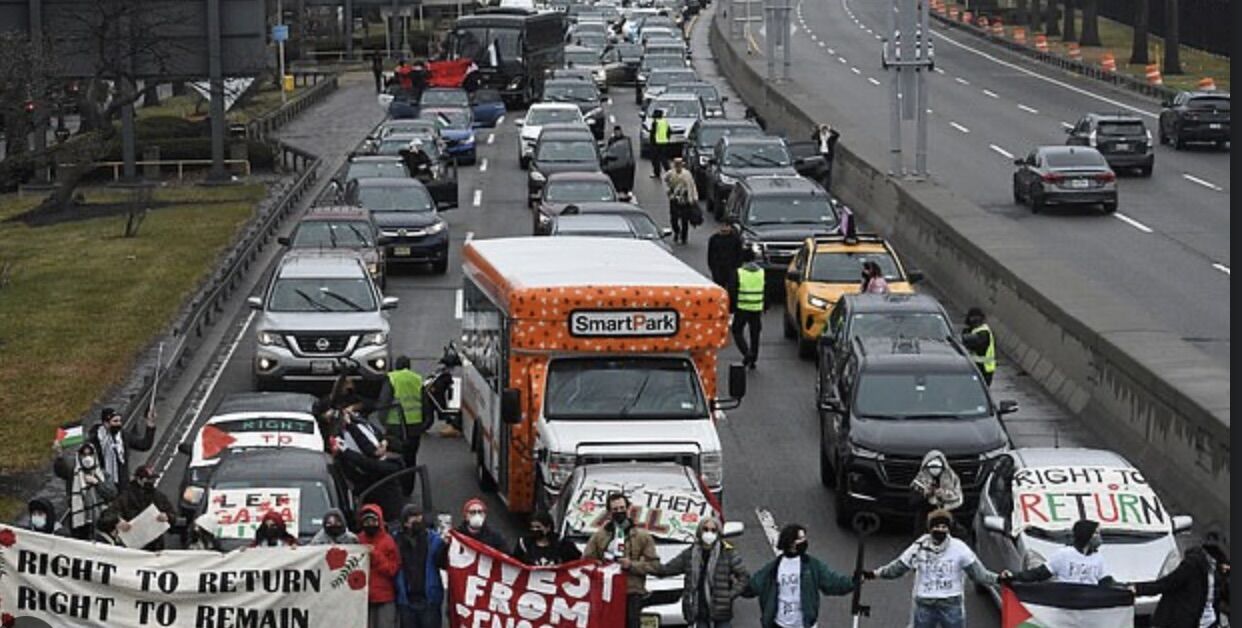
point(939, 562)
point(42, 517)
point(1079, 562)
point(106, 529)
point(714, 576)
point(273, 532)
point(385, 563)
point(543, 547)
point(935, 486)
point(89, 490)
point(789, 587)
point(630, 546)
point(420, 591)
point(140, 494)
point(203, 536)
point(115, 444)
point(475, 525)
point(334, 530)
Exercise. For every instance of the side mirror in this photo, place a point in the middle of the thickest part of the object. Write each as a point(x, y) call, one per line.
point(733, 529)
point(914, 276)
point(389, 303)
point(1068, 131)
point(1182, 523)
point(830, 405)
point(511, 406)
point(283, 240)
point(1019, 161)
point(603, 98)
point(519, 122)
point(186, 447)
point(255, 303)
point(993, 523)
point(737, 381)
point(666, 232)
point(1007, 406)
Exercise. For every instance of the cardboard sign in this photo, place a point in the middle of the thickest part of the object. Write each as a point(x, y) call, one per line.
point(671, 513)
point(239, 511)
point(1054, 498)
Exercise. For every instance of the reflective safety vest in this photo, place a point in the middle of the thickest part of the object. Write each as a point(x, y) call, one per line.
point(661, 131)
point(987, 361)
point(750, 289)
point(407, 391)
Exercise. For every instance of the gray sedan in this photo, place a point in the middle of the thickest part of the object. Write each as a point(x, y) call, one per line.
point(1064, 175)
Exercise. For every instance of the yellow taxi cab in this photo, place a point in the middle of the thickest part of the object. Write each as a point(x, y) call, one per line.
point(827, 267)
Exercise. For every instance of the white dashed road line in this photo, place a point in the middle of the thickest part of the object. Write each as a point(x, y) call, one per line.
point(1004, 153)
point(457, 305)
point(841, 59)
point(831, 51)
point(1221, 267)
point(961, 80)
point(989, 93)
point(874, 82)
point(959, 127)
point(1132, 222)
point(855, 70)
point(491, 138)
point(500, 120)
point(1028, 109)
point(1207, 184)
point(612, 119)
point(483, 165)
point(770, 529)
point(939, 71)
point(478, 198)
point(1066, 124)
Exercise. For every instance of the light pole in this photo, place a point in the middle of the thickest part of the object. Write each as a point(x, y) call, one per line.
point(280, 46)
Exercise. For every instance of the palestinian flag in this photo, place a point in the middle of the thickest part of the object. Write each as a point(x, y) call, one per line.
point(70, 435)
point(1060, 605)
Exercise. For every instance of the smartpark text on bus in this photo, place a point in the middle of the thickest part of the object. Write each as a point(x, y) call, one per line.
point(582, 350)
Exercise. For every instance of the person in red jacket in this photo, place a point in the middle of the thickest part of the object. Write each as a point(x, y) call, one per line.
point(273, 532)
point(385, 563)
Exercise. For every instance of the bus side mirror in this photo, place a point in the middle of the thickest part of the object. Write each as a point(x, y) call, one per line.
point(511, 406)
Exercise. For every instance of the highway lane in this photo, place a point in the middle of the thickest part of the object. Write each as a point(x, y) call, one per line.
point(769, 442)
point(1170, 236)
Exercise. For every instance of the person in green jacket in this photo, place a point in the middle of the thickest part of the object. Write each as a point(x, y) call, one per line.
point(789, 587)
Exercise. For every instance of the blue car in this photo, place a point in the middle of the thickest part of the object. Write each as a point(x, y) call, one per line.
point(487, 107)
point(456, 129)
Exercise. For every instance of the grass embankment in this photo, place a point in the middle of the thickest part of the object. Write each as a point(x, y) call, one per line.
point(192, 106)
point(81, 301)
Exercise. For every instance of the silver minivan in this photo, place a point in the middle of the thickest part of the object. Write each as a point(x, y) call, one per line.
point(319, 314)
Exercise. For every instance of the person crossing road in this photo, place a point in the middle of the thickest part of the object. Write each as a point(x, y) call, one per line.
point(748, 305)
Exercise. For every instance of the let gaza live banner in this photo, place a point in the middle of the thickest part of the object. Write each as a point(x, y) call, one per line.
point(69, 583)
point(488, 588)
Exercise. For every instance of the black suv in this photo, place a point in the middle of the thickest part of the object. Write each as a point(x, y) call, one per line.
point(583, 94)
point(777, 213)
point(1195, 117)
point(702, 137)
point(1122, 138)
point(891, 401)
point(735, 158)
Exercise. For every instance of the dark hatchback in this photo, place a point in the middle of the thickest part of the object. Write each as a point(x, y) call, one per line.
point(560, 151)
point(412, 229)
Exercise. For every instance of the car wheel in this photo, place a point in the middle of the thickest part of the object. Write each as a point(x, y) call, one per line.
point(843, 512)
point(484, 479)
point(1037, 202)
point(1110, 207)
point(1017, 194)
point(523, 162)
point(806, 348)
point(791, 331)
point(1146, 171)
point(440, 267)
point(1178, 142)
point(827, 476)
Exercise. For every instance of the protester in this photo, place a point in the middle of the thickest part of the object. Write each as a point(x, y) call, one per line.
point(404, 76)
point(714, 576)
point(407, 415)
point(619, 163)
point(749, 304)
point(1080, 562)
point(978, 338)
point(377, 69)
point(420, 591)
point(138, 496)
point(826, 138)
point(657, 142)
point(371, 474)
point(106, 529)
point(202, 536)
point(543, 547)
point(474, 525)
point(789, 587)
point(724, 255)
point(334, 530)
point(385, 563)
point(939, 562)
point(1196, 593)
point(683, 200)
point(273, 532)
point(42, 517)
point(114, 443)
point(622, 541)
point(936, 486)
point(90, 491)
point(873, 281)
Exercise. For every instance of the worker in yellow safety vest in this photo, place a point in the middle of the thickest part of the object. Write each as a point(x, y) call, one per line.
point(978, 338)
point(401, 405)
point(748, 306)
point(659, 143)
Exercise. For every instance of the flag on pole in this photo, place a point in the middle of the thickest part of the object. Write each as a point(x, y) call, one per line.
point(1063, 605)
point(70, 435)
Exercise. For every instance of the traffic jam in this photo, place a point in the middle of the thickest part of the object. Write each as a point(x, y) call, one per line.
point(589, 386)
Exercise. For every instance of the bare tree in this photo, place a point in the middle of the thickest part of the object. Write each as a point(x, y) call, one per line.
point(1138, 46)
point(1020, 12)
point(1090, 23)
point(1172, 39)
point(136, 210)
point(1034, 18)
point(1068, 31)
point(24, 87)
point(1052, 27)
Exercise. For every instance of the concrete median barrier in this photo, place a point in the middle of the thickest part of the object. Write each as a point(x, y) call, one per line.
point(1139, 388)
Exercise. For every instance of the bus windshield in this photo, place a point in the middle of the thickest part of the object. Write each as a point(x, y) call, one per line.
point(618, 388)
point(474, 42)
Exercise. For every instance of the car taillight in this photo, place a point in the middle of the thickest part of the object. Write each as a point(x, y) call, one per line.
point(1053, 177)
point(1106, 177)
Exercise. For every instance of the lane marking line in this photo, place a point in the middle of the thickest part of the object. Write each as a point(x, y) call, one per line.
point(959, 127)
point(1132, 222)
point(990, 93)
point(1221, 267)
point(1004, 153)
point(841, 59)
point(612, 119)
point(939, 71)
point(491, 138)
point(478, 198)
point(822, 44)
point(1207, 184)
point(1066, 124)
point(1028, 109)
point(457, 305)
point(770, 530)
point(831, 51)
point(483, 165)
point(875, 82)
point(500, 120)
point(469, 236)
point(961, 80)
point(855, 70)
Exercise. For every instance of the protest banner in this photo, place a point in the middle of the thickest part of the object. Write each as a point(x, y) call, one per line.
point(239, 511)
point(1053, 498)
point(144, 528)
point(488, 588)
point(68, 583)
point(671, 513)
point(1065, 605)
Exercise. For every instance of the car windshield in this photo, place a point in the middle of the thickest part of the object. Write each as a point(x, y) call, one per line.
point(376, 169)
point(438, 97)
point(644, 227)
point(580, 191)
point(392, 145)
point(449, 118)
point(630, 52)
point(311, 294)
point(898, 324)
point(678, 108)
point(1208, 104)
point(707, 92)
point(632, 387)
point(920, 396)
point(709, 135)
point(1123, 128)
point(663, 61)
point(333, 233)
point(540, 117)
point(771, 155)
point(475, 42)
point(1075, 159)
point(582, 57)
point(595, 41)
point(313, 500)
point(843, 267)
point(576, 92)
point(787, 210)
point(668, 78)
point(567, 151)
point(408, 126)
point(388, 198)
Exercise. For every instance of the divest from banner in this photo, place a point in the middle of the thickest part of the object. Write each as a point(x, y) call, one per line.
point(488, 588)
point(70, 583)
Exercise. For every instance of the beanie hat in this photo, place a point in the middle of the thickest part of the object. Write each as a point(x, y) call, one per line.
point(1083, 530)
point(472, 503)
point(107, 413)
point(939, 516)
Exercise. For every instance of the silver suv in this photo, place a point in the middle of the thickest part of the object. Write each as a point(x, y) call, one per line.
point(320, 311)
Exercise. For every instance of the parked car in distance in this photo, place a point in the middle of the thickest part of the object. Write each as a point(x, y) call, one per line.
point(538, 115)
point(444, 97)
point(571, 149)
point(1122, 138)
point(1195, 117)
point(701, 139)
point(487, 106)
point(1064, 175)
point(340, 227)
point(737, 157)
point(457, 128)
point(568, 188)
point(412, 230)
point(681, 111)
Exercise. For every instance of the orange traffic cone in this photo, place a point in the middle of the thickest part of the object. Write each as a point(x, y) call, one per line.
point(1041, 43)
point(967, 16)
point(1108, 62)
point(1019, 34)
point(953, 13)
point(1153, 75)
point(982, 22)
point(1206, 84)
point(998, 29)
point(1074, 51)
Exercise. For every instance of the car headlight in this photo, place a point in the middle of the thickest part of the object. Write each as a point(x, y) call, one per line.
point(469, 139)
point(192, 494)
point(1032, 559)
point(727, 180)
point(594, 113)
point(537, 176)
point(271, 339)
point(817, 302)
point(560, 466)
point(373, 268)
point(374, 338)
point(515, 83)
point(703, 160)
point(711, 467)
point(436, 227)
point(1171, 561)
point(858, 451)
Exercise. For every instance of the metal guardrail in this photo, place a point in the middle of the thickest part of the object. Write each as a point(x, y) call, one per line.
point(321, 85)
point(1089, 70)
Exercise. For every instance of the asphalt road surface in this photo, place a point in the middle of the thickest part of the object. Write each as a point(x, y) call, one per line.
point(1165, 250)
point(770, 441)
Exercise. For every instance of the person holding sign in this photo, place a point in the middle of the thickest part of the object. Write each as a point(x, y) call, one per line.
point(1079, 562)
point(137, 497)
point(475, 525)
point(789, 586)
point(622, 542)
point(714, 576)
point(543, 547)
point(114, 443)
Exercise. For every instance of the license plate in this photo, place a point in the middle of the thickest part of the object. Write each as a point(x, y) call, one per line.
point(649, 621)
point(401, 251)
point(1078, 183)
point(1214, 125)
point(322, 367)
point(1121, 146)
